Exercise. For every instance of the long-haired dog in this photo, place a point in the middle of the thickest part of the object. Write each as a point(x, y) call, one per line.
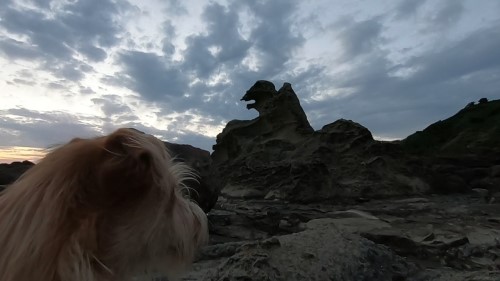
point(102, 209)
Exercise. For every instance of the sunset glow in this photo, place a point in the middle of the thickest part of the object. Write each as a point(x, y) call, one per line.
point(9, 154)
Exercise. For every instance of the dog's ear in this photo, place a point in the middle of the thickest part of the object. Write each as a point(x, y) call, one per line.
point(125, 172)
point(129, 149)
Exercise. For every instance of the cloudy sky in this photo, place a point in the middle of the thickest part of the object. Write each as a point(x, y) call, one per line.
point(177, 69)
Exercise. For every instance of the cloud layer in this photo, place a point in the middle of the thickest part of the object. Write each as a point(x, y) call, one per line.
point(177, 69)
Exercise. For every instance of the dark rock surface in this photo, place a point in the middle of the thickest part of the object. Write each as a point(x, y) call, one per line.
point(439, 237)
point(10, 172)
point(320, 252)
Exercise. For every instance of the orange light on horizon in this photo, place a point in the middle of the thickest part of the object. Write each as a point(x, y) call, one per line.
point(9, 154)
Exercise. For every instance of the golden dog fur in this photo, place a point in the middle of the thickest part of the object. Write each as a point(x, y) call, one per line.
point(102, 209)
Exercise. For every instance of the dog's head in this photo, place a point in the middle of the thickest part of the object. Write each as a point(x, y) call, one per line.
point(116, 201)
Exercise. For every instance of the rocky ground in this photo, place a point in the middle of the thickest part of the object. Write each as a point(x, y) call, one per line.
point(452, 237)
point(272, 172)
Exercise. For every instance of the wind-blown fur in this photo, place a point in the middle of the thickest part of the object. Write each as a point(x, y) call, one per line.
point(104, 209)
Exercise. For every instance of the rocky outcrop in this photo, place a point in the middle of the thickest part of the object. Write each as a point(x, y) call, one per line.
point(461, 152)
point(203, 191)
point(473, 131)
point(10, 172)
point(279, 156)
point(281, 125)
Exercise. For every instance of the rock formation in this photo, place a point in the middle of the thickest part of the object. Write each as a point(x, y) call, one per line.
point(202, 190)
point(279, 156)
point(309, 174)
point(462, 151)
point(281, 124)
point(10, 172)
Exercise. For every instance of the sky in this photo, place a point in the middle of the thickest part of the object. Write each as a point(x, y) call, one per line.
point(177, 69)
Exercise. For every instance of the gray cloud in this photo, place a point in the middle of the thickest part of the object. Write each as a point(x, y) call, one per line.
point(198, 59)
point(47, 36)
point(391, 100)
point(42, 3)
point(151, 76)
point(16, 49)
point(93, 53)
point(476, 52)
point(358, 38)
point(23, 127)
point(94, 25)
point(112, 105)
point(60, 85)
point(407, 8)
point(272, 38)
point(221, 49)
point(222, 34)
point(448, 14)
point(275, 37)
point(23, 81)
point(76, 28)
point(170, 34)
point(397, 106)
point(175, 7)
point(117, 114)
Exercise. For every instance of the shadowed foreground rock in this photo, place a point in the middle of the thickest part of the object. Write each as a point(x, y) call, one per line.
point(443, 238)
point(321, 252)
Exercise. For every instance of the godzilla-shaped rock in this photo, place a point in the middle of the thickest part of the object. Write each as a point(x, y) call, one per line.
point(279, 156)
point(281, 124)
